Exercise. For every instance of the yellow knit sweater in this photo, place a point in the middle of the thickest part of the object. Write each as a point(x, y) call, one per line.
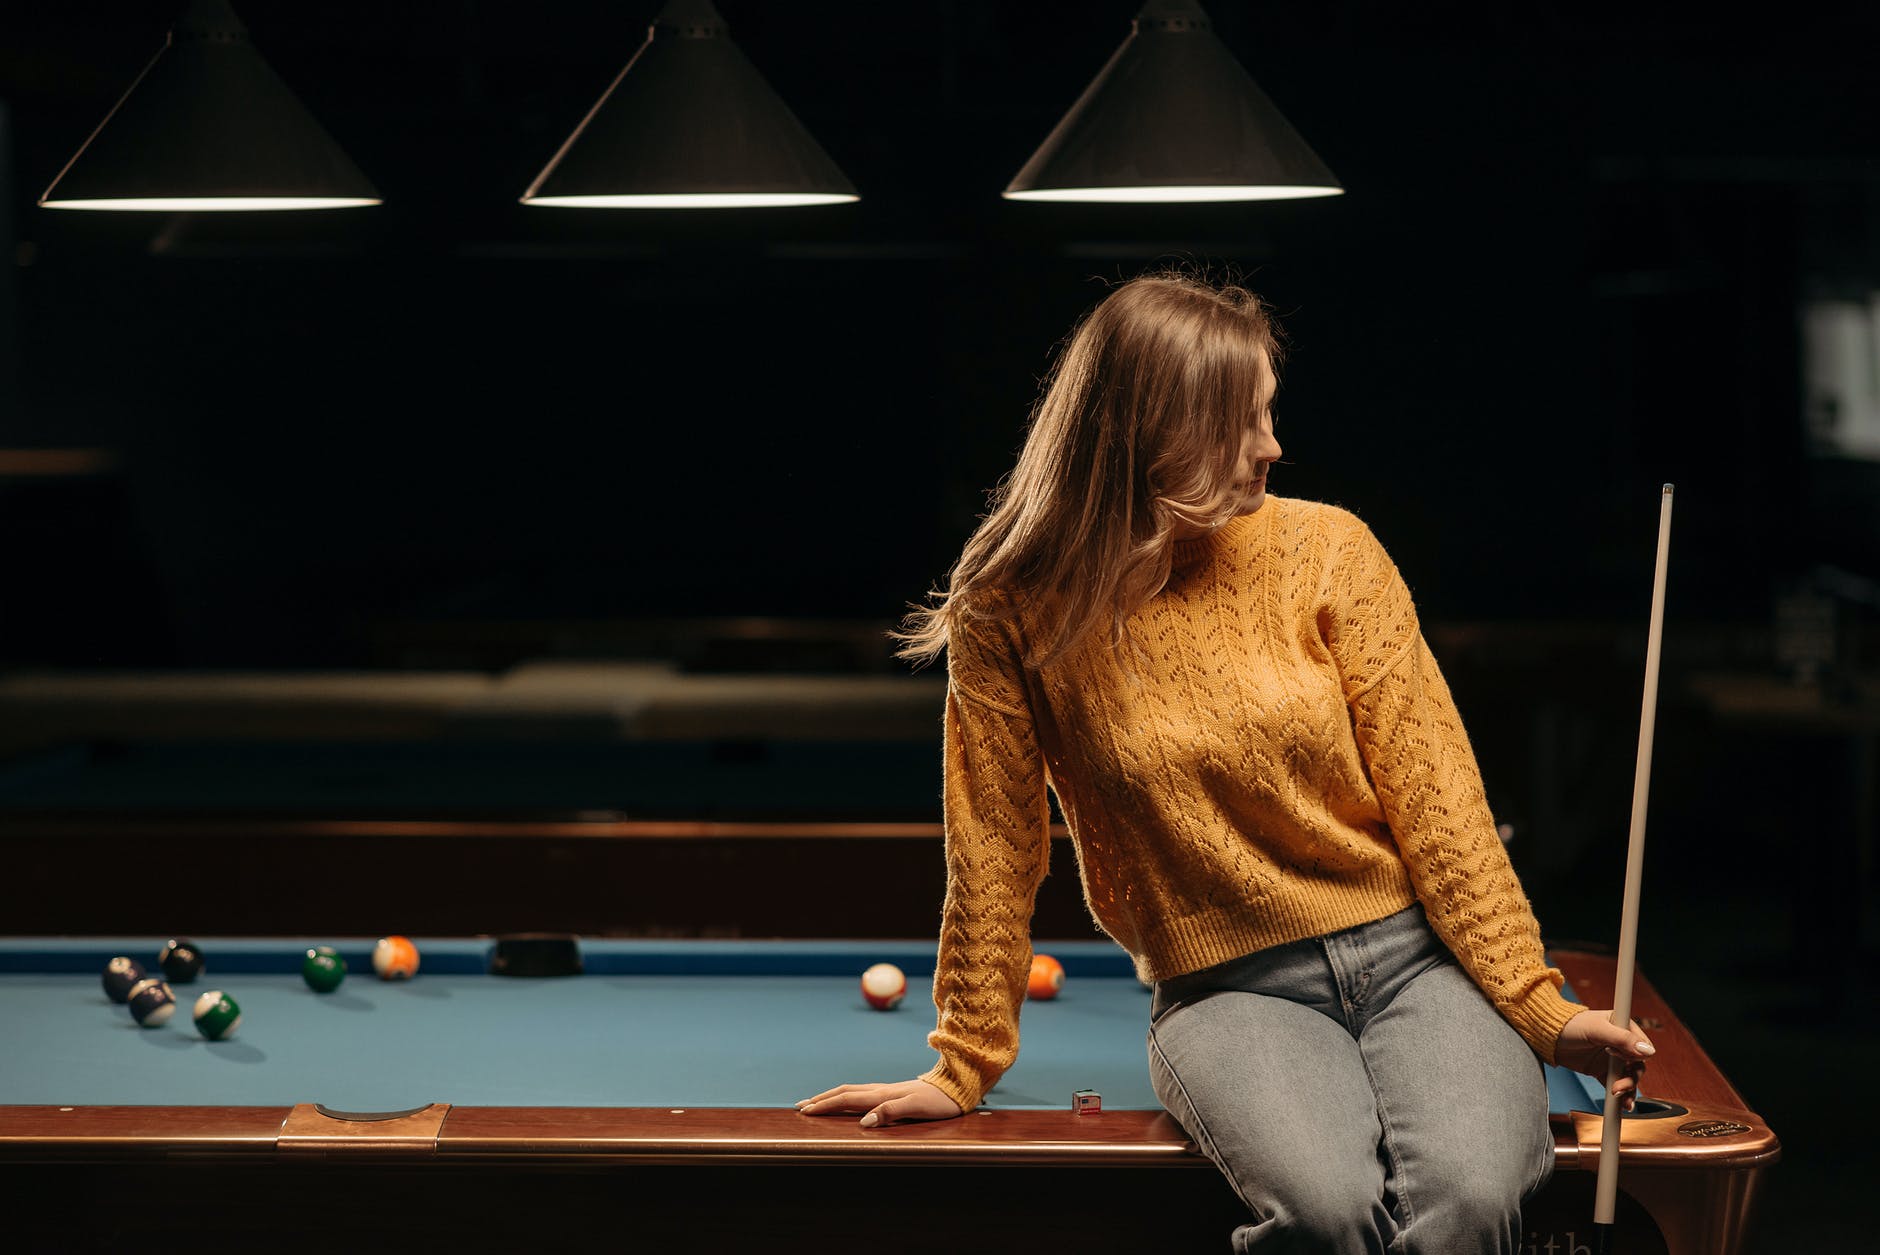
point(1286, 763)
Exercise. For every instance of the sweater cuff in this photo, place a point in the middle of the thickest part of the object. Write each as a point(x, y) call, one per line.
point(1540, 1016)
point(944, 1081)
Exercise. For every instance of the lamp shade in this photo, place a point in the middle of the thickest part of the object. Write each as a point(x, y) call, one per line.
point(690, 123)
point(209, 126)
point(1173, 117)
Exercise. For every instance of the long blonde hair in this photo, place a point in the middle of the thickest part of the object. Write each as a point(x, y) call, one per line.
point(1135, 437)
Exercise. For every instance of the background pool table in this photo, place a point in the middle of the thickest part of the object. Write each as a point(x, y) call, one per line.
point(650, 1097)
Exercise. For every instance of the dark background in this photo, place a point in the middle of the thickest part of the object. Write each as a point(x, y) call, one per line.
point(1566, 270)
point(1570, 267)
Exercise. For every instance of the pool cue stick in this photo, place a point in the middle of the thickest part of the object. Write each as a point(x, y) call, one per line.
point(1606, 1191)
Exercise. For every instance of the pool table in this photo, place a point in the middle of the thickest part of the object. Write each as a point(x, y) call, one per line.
point(651, 1095)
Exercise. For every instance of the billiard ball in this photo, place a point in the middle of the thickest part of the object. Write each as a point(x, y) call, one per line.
point(120, 976)
point(1047, 977)
point(323, 969)
point(884, 985)
point(181, 961)
point(216, 1015)
point(152, 1003)
point(395, 958)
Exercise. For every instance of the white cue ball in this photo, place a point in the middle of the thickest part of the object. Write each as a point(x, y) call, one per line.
point(884, 985)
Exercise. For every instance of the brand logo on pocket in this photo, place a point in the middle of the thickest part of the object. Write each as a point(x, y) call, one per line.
point(1712, 1128)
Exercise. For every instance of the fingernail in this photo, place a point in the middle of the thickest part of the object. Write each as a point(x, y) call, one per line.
point(803, 1104)
point(870, 1120)
point(1646, 1048)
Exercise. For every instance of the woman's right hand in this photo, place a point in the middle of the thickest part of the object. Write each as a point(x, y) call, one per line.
point(882, 1104)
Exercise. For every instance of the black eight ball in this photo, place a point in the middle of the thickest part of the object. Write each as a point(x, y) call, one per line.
point(181, 962)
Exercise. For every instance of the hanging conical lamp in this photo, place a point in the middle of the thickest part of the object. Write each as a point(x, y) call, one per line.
point(209, 126)
point(690, 123)
point(1173, 117)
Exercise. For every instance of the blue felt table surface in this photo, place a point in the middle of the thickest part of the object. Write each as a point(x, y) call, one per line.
point(649, 1024)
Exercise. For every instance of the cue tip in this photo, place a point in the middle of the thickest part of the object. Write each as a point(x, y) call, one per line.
point(1666, 490)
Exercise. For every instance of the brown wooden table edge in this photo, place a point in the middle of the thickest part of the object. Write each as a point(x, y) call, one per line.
point(46, 1132)
point(545, 1135)
point(522, 1135)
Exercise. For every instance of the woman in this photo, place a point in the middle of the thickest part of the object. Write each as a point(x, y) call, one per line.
point(1274, 806)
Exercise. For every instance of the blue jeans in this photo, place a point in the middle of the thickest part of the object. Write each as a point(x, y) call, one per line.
point(1359, 1093)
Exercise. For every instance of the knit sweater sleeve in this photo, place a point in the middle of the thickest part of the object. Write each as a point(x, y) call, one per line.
point(1421, 764)
point(997, 849)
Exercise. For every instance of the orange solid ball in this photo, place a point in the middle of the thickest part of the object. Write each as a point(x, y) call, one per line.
point(1047, 977)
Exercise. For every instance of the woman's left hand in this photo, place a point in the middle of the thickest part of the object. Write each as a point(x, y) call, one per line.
point(1590, 1039)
